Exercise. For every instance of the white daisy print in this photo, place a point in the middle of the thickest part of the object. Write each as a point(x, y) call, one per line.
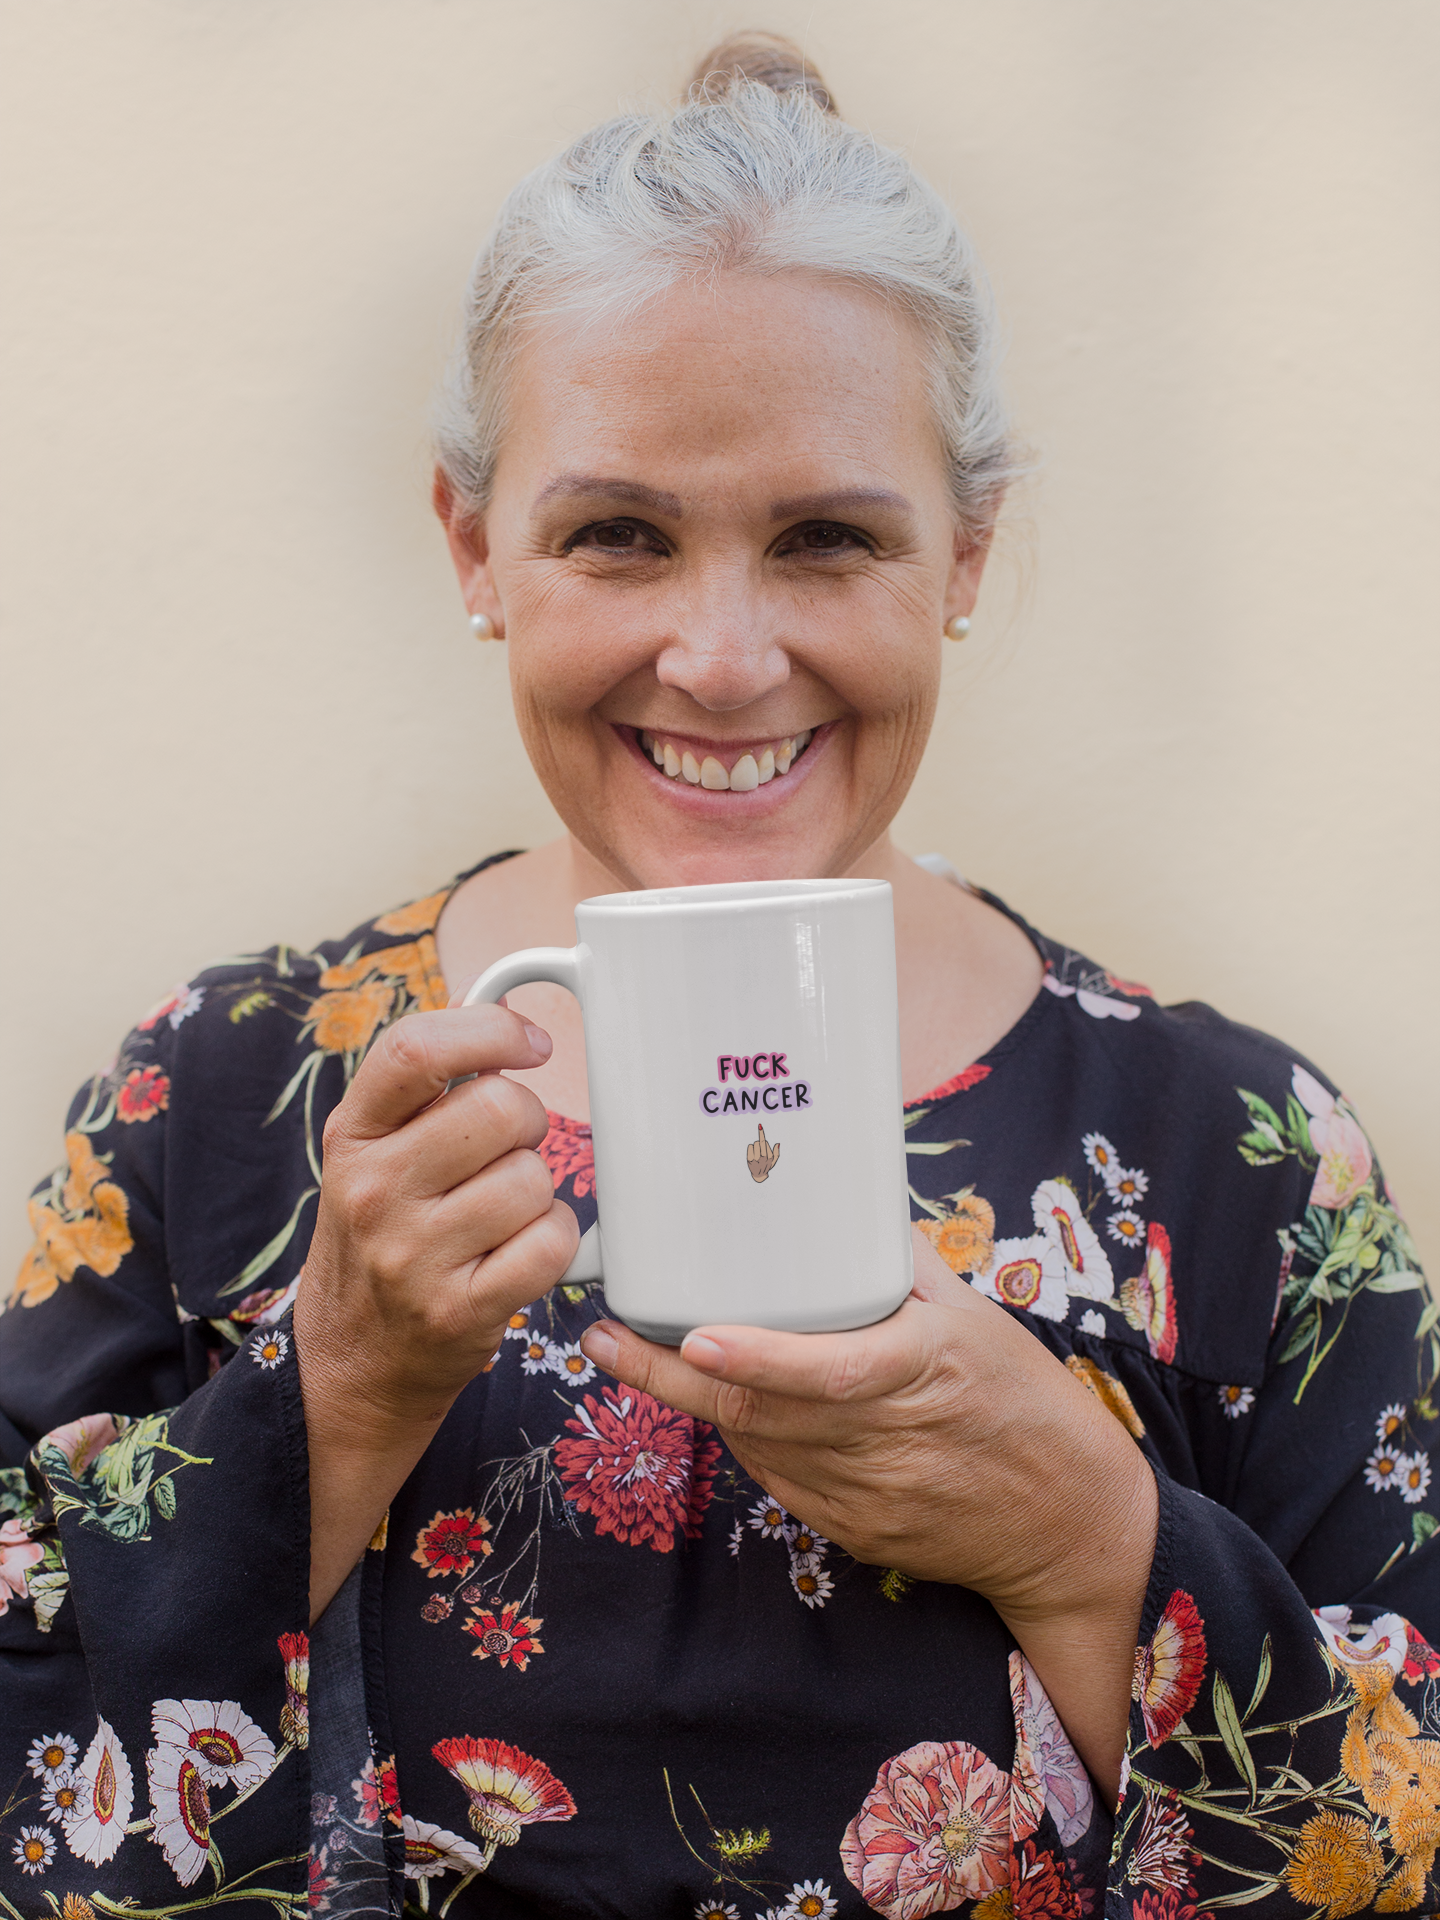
point(813, 1585)
point(769, 1519)
point(573, 1367)
point(432, 1850)
point(536, 1357)
point(270, 1351)
point(1100, 1156)
point(1382, 1469)
point(34, 1850)
point(1234, 1401)
point(53, 1754)
point(1129, 1186)
point(1028, 1273)
point(715, 1910)
point(1126, 1227)
point(179, 1811)
point(737, 1534)
point(1412, 1476)
point(809, 1900)
point(98, 1827)
point(227, 1747)
point(517, 1327)
point(1061, 1219)
point(63, 1796)
point(1389, 1421)
point(803, 1541)
point(1091, 1322)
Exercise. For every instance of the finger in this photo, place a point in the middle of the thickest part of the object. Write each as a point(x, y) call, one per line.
point(490, 1208)
point(757, 1381)
point(414, 1061)
point(453, 1139)
point(526, 1266)
point(762, 1133)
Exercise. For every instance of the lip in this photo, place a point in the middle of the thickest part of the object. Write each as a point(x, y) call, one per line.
point(700, 801)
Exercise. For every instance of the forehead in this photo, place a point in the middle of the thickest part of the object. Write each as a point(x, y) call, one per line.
point(786, 378)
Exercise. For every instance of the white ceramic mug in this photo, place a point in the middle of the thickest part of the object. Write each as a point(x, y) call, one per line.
point(743, 1049)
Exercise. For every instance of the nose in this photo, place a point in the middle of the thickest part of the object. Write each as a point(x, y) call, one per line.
point(723, 650)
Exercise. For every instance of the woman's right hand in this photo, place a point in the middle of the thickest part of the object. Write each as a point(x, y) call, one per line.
point(437, 1222)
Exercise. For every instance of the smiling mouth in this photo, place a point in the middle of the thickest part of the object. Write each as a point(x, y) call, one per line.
point(736, 772)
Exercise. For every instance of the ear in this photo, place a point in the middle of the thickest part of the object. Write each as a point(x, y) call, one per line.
point(967, 564)
point(469, 553)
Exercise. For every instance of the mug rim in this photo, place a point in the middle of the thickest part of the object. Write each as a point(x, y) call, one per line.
point(730, 893)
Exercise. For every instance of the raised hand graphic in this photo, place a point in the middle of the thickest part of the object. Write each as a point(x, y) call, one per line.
point(760, 1157)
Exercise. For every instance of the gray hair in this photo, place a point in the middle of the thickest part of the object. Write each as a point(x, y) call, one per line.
point(753, 172)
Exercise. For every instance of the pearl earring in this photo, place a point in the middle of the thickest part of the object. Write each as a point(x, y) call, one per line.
point(482, 626)
point(957, 628)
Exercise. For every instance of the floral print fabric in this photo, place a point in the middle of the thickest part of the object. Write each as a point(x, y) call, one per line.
point(587, 1665)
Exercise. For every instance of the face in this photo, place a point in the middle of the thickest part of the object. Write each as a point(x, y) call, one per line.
point(722, 549)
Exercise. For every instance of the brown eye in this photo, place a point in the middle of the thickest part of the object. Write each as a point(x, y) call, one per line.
point(616, 536)
point(825, 536)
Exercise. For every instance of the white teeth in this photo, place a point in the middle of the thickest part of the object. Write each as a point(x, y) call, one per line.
point(749, 771)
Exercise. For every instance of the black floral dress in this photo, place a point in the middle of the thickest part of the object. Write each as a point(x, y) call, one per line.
point(587, 1666)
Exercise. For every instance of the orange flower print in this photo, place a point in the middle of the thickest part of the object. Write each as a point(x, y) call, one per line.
point(416, 963)
point(966, 1240)
point(1336, 1864)
point(508, 1637)
point(933, 1833)
point(1148, 1299)
point(1108, 1391)
point(419, 917)
point(89, 1228)
point(345, 1021)
point(1169, 1668)
point(452, 1543)
point(144, 1092)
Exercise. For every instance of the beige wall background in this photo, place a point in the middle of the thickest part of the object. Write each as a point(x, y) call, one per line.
point(1193, 730)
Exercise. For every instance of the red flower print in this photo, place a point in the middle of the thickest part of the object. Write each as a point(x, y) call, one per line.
point(966, 1078)
point(1148, 1300)
point(1164, 1857)
point(508, 1789)
point(510, 1637)
point(934, 1832)
point(1169, 1668)
point(1162, 1906)
point(452, 1543)
point(1131, 987)
point(1422, 1662)
point(377, 1791)
point(295, 1714)
point(145, 1092)
point(569, 1150)
point(1040, 1888)
point(642, 1469)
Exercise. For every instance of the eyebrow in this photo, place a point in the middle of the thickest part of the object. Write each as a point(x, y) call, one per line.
point(833, 506)
point(569, 486)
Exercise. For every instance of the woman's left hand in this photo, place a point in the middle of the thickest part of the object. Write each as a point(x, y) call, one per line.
point(946, 1442)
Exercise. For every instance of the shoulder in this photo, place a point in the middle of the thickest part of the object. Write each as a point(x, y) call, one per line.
point(1203, 1140)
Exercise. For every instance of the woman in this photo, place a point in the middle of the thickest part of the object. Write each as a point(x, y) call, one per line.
point(559, 1621)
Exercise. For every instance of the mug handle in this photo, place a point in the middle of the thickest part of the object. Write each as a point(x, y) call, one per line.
point(560, 966)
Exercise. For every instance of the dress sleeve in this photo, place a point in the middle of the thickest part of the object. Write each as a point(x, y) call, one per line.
point(1284, 1742)
point(153, 1549)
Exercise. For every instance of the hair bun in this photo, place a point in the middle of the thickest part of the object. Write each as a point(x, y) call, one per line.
point(766, 58)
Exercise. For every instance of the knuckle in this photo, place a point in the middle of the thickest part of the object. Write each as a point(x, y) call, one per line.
point(366, 1198)
point(737, 1408)
point(404, 1047)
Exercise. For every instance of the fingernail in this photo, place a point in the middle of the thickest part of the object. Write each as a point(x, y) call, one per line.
point(707, 1355)
point(597, 1343)
point(539, 1040)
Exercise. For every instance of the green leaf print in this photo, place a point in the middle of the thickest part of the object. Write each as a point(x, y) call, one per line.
point(116, 1489)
